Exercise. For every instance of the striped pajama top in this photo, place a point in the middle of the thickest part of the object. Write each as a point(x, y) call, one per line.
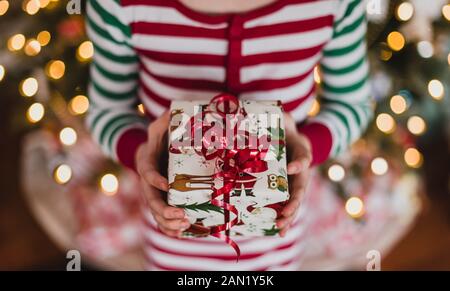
point(155, 51)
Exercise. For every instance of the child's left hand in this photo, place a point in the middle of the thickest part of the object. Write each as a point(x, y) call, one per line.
point(300, 156)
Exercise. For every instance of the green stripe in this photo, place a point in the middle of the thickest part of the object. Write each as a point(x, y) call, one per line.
point(114, 132)
point(345, 70)
point(97, 118)
point(113, 123)
point(347, 89)
point(346, 105)
point(342, 118)
point(351, 28)
point(104, 33)
point(113, 57)
point(350, 7)
point(110, 19)
point(113, 76)
point(344, 50)
point(114, 96)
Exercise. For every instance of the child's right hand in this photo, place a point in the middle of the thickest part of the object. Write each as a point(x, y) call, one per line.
point(171, 220)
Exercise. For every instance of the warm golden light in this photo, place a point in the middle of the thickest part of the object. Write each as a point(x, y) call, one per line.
point(43, 3)
point(79, 105)
point(396, 41)
point(35, 112)
point(354, 207)
point(68, 136)
point(16, 42)
point(2, 72)
point(385, 123)
point(44, 37)
point(398, 104)
point(315, 108)
point(425, 49)
point(55, 69)
point(317, 76)
point(446, 11)
point(413, 158)
point(436, 89)
point(141, 109)
point(85, 51)
point(31, 6)
point(405, 11)
point(379, 166)
point(29, 87)
point(336, 173)
point(109, 184)
point(62, 174)
point(32, 48)
point(385, 55)
point(416, 125)
point(4, 6)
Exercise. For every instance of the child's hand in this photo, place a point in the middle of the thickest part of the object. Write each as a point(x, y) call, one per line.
point(170, 219)
point(299, 153)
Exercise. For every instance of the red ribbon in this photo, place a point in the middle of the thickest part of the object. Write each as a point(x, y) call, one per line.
point(230, 162)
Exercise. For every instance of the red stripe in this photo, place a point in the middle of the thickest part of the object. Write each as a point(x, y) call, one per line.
point(291, 105)
point(288, 27)
point(153, 28)
point(183, 58)
point(280, 57)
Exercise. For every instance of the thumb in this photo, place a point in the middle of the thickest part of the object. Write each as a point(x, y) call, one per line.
point(299, 164)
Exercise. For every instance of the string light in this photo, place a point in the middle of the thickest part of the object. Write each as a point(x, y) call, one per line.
point(79, 105)
point(68, 136)
point(32, 48)
point(385, 123)
point(109, 184)
point(62, 174)
point(35, 112)
point(315, 108)
point(31, 6)
point(379, 166)
point(16, 42)
point(44, 37)
point(385, 54)
point(413, 158)
point(436, 89)
point(2, 72)
point(405, 11)
point(43, 3)
point(29, 87)
point(446, 12)
point(416, 125)
point(396, 41)
point(354, 207)
point(425, 49)
point(317, 77)
point(85, 51)
point(55, 69)
point(398, 104)
point(141, 109)
point(4, 6)
point(336, 173)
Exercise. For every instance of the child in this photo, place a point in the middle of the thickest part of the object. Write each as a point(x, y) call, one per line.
point(155, 51)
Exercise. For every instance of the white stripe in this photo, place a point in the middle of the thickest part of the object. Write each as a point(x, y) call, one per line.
point(109, 85)
point(357, 96)
point(348, 79)
point(173, 93)
point(286, 42)
point(180, 44)
point(347, 39)
point(338, 130)
point(165, 15)
point(301, 112)
point(342, 9)
point(153, 107)
point(116, 10)
point(268, 259)
point(210, 73)
point(115, 67)
point(354, 130)
point(284, 94)
point(108, 103)
point(278, 70)
point(296, 12)
point(115, 124)
point(343, 61)
point(107, 45)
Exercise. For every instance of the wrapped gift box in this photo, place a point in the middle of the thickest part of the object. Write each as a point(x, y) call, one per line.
point(249, 166)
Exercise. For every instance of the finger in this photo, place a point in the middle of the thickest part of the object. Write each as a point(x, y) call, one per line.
point(155, 179)
point(296, 194)
point(285, 221)
point(298, 165)
point(284, 231)
point(171, 233)
point(172, 224)
point(159, 206)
